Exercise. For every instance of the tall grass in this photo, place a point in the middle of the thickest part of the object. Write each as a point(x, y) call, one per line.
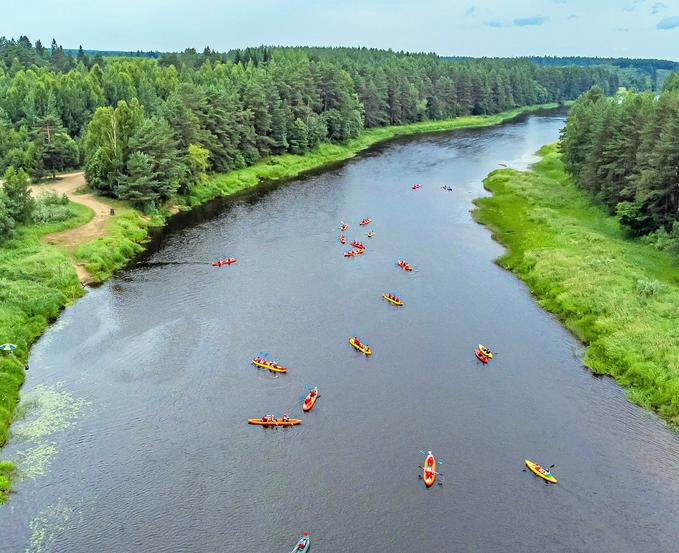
point(619, 296)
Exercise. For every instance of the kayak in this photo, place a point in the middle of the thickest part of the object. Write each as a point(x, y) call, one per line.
point(303, 544)
point(543, 473)
point(480, 356)
point(416, 186)
point(358, 245)
point(271, 365)
point(275, 422)
point(310, 400)
point(483, 349)
point(365, 222)
point(404, 265)
point(370, 234)
point(352, 253)
point(429, 470)
point(363, 348)
point(221, 262)
point(392, 300)
point(343, 239)
point(344, 227)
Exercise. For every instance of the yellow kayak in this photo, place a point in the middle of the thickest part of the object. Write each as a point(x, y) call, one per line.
point(483, 349)
point(363, 348)
point(264, 364)
point(392, 300)
point(541, 472)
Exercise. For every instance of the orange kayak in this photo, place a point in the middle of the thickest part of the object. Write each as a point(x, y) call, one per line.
point(310, 400)
point(275, 422)
point(365, 222)
point(358, 245)
point(343, 239)
point(344, 227)
point(404, 265)
point(429, 470)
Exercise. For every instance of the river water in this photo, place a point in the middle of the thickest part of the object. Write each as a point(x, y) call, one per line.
point(156, 455)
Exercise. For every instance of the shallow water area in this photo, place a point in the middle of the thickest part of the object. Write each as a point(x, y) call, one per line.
point(162, 460)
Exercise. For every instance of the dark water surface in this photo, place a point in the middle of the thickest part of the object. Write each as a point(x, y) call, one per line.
point(162, 460)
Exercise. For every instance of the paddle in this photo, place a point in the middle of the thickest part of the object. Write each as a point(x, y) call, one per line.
point(441, 461)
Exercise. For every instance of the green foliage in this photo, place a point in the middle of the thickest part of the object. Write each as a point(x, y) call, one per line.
point(17, 195)
point(6, 219)
point(619, 296)
point(6, 470)
point(51, 208)
point(625, 152)
point(671, 83)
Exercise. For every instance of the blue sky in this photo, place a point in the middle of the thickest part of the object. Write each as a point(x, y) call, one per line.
point(634, 28)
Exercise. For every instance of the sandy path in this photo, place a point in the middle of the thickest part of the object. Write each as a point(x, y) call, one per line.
point(72, 238)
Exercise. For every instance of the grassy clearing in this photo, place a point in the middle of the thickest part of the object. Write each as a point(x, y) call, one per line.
point(620, 297)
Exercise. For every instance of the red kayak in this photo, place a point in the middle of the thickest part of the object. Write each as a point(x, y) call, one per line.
point(344, 227)
point(405, 266)
point(343, 239)
point(365, 221)
point(357, 244)
point(480, 356)
point(416, 186)
point(221, 262)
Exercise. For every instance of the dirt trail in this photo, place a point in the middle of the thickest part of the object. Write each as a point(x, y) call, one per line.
point(72, 238)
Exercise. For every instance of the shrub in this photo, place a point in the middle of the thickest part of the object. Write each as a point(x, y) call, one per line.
point(51, 208)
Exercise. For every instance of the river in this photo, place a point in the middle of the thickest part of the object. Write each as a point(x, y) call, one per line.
point(152, 374)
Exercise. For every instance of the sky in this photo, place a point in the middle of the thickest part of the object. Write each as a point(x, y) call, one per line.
point(610, 28)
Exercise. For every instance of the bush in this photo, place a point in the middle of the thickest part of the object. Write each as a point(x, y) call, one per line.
point(648, 288)
point(52, 208)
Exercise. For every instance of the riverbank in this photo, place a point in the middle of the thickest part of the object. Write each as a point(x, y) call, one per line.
point(617, 295)
point(123, 240)
point(38, 279)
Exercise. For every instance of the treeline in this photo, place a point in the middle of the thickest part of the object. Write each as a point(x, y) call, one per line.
point(146, 129)
point(635, 74)
point(625, 152)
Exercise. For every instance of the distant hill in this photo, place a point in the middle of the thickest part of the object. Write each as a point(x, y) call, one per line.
point(114, 53)
point(638, 74)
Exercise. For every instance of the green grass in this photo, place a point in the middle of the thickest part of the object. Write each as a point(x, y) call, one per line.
point(619, 296)
point(125, 234)
point(6, 471)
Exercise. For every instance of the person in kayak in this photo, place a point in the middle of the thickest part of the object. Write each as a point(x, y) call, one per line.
point(285, 417)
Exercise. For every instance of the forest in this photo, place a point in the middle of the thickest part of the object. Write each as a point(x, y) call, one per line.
point(146, 129)
point(625, 152)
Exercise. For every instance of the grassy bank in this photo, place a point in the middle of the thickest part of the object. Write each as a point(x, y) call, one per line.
point(36, 282)
point(39, 280)
point(107, 254)
point(620, 297)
